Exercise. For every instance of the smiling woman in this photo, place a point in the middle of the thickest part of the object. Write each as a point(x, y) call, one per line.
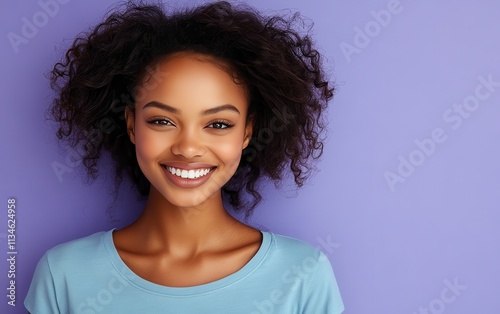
point(204, 128)
point(221, 97)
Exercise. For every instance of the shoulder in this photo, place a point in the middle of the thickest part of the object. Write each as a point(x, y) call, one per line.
point(65, 268)
point(308, 270)
point(293, 248)
point(78, 250)
point(289, 252)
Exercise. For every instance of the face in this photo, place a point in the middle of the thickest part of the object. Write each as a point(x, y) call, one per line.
point(189, 128)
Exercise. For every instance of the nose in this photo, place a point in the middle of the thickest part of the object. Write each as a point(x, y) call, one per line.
point(188, 145)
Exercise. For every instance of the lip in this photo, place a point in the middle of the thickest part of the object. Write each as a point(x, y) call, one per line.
point(185, 182)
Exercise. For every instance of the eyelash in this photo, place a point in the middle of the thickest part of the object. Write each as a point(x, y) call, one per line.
point(159, 121)
point(225, 123)
point(166, 122)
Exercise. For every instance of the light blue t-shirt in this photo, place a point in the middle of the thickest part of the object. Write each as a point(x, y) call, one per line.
point(87, 276)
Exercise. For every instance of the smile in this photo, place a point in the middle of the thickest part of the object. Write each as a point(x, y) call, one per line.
point(188, 174)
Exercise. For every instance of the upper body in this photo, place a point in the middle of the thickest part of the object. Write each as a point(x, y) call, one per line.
point(284, 276)
point(195, 107)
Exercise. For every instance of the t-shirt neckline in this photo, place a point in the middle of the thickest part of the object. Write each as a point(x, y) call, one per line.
point(141, 283)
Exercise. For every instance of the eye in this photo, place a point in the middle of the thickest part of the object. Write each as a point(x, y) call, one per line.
point(220, 125)
point(159, 121)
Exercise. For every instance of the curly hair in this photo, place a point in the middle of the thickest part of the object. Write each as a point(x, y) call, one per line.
point(280, 68)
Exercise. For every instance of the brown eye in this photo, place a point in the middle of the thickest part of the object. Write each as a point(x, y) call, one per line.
point(220, 125)
point(158, 121)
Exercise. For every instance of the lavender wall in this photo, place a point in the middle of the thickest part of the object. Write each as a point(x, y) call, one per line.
point(406, 203)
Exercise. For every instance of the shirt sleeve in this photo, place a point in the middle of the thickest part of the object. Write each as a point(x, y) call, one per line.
point(41, 296)
point(322, 294)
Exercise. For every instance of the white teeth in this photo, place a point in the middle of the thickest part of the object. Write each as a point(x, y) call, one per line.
point(188, 174)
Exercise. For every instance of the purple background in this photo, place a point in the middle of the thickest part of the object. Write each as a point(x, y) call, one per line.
point(393, 250)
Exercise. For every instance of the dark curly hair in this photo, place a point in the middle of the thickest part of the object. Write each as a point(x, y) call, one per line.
point(279, 67)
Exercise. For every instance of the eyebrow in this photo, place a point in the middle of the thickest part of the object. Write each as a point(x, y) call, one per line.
point(159, 105)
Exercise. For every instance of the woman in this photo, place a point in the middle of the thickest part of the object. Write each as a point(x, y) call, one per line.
point(195, 107)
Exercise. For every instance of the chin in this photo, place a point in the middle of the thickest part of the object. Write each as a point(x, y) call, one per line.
point(190, 198)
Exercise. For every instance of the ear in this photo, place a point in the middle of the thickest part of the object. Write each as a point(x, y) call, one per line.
point(130, 120)
point(248, 130)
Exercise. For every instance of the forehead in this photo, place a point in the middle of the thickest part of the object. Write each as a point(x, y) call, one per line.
point(186, 73)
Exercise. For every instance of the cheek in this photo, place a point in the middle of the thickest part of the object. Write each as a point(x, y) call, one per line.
point(229, 149)
point(148, 144)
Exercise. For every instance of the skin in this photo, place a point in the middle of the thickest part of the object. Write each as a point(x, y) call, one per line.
point(187, 229)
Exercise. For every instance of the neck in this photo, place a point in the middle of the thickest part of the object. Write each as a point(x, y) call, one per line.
point(183, 230)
